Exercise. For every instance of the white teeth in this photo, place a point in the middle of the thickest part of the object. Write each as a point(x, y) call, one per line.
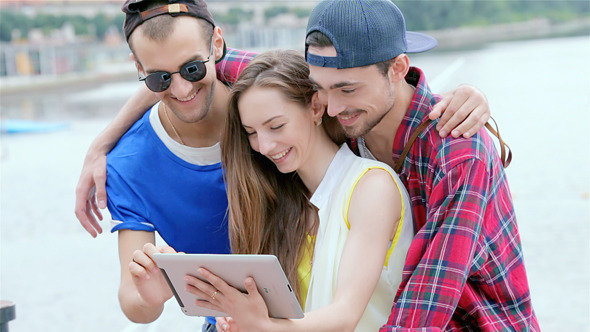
point(346, 117)
point(189, 97)
point(280, 155)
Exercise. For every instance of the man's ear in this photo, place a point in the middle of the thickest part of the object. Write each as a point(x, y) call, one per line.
point(317, 108)
point(137, 64)
point(399, 68)
point(218, 44)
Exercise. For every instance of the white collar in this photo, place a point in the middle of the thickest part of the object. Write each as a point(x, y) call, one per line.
point(209, 155)
point(343, 158)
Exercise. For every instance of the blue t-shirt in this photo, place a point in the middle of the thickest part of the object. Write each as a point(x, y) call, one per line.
point(151, 189)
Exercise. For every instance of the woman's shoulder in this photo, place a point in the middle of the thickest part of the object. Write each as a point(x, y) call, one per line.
point(376, 178)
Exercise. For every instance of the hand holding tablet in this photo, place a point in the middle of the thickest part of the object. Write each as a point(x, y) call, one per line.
point(270, 279)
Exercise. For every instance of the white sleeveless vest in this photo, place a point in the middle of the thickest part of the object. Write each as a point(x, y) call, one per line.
point(332, 198)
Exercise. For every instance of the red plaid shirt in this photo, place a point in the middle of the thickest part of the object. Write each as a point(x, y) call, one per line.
point(464, 270)
point(232, 64)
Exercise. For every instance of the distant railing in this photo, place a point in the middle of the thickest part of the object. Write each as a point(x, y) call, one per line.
point(256, 38)
point(26, 60)
point(50, 60)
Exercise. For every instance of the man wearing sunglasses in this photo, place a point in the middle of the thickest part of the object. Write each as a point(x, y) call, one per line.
point(165, 172)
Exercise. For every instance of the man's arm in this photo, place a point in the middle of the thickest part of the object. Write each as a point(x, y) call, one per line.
point(464, 110)
point(143, 290)
point(441, 255)
point(91, 195)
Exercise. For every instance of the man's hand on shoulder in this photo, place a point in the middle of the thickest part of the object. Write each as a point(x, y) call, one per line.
point(91, 195)
point(464, 111)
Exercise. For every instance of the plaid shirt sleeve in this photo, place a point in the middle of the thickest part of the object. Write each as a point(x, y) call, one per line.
point(232, 64)
point(443, 251)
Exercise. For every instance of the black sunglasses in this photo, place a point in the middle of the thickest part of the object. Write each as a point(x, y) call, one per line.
point(192, 71)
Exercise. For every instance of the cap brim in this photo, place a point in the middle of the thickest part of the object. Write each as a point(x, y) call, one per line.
point(419, 42)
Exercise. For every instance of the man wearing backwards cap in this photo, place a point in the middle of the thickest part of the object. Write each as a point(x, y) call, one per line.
point(157, 180)
point(464, 269)
point(165, 173)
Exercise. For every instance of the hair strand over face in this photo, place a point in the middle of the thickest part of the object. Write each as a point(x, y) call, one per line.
point(269, 212)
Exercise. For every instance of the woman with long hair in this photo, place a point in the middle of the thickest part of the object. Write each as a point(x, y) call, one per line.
point(339, 224)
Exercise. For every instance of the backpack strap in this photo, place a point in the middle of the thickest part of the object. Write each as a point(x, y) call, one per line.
point(400, 162)
point(506, 158)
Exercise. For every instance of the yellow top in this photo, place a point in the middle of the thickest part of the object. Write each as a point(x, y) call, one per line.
point(304, 269)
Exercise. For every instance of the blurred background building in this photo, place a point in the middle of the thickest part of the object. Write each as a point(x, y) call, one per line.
point(42, 40)
point(55, 39)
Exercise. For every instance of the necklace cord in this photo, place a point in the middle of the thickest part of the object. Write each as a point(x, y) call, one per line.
point(171, 124)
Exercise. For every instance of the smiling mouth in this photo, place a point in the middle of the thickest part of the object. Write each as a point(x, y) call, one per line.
point(347, 118)
point(280, 155)
point(189, 98)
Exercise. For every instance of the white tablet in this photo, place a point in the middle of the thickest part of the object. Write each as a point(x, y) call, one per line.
point(234, 269)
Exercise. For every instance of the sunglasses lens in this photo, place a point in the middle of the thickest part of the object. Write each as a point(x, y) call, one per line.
point(193, 71)
point(158, 81)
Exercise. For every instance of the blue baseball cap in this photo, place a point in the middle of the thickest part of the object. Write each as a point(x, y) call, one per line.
point(364, 32)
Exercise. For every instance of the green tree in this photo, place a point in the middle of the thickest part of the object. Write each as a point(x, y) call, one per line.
point(301, 12)
point(275, 11)
point(47, 22)
point(432, 15)
point(118, 21)
point(101, 24)
point(234, 16)
point(10, 21)
point(82, 25)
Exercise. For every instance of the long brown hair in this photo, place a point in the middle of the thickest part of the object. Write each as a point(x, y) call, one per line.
point(269, 212)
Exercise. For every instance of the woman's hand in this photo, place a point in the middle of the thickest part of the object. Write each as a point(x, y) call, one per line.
point(247, 310)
